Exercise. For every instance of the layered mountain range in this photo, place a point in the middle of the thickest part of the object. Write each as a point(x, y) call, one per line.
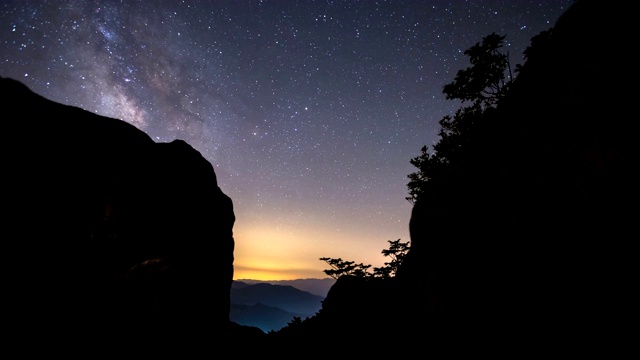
point(270, 306)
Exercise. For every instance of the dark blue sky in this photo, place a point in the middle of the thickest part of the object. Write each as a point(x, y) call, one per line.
point(310, 111)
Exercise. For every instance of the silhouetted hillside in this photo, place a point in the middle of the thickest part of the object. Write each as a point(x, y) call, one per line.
point(522, 243)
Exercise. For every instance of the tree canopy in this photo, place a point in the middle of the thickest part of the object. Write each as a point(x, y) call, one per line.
point(479, 87)
point(397, 251)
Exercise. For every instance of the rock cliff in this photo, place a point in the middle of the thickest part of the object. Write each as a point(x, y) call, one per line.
point(523, 246)
point(109, 235)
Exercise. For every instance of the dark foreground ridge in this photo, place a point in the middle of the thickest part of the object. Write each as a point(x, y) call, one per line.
point(113, 236)
point(525, 247)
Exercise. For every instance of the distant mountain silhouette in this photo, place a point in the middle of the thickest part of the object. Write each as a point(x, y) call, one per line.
point(270, 307)
point(266, 318)
point(315, 286)
point(281, 296)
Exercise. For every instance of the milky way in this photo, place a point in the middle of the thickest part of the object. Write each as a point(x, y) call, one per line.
point(310, 111)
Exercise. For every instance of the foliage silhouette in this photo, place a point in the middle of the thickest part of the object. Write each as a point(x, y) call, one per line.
point(484, 82)
point(523, 215)
point(482, 85)
point(397, 251)
point(341, 267)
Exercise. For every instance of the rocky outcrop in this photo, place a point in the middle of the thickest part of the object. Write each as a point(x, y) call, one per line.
point(528, 232)
point(524, 245)
point(108, 234)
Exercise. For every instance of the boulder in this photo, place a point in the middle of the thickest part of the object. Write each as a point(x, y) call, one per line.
point(108, 234)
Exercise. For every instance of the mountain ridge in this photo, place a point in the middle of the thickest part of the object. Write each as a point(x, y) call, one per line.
point(270, 307)
point(314, 286)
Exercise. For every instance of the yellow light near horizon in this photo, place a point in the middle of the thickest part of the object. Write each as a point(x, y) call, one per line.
point(265, 251)
point(241, 272)
point(274, 254)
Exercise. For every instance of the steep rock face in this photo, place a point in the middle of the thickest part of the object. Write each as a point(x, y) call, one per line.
point(522, 246)
point(106, 227)
point(529, 232)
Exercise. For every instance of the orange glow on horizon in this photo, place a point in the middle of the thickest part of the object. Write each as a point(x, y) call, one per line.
point(270, 251)
point(270, 274)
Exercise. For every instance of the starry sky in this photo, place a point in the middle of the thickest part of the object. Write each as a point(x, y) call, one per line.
point(309, 111)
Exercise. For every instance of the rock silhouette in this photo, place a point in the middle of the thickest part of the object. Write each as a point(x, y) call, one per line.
point(109, 234)
point(534, 217)
point(522, 247)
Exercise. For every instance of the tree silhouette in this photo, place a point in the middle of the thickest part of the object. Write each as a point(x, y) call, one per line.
point(341, 267)
point(397, 251)
point(481, 86)
point(483, 83)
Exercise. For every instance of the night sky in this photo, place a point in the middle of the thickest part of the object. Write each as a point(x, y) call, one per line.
point(309, 111)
